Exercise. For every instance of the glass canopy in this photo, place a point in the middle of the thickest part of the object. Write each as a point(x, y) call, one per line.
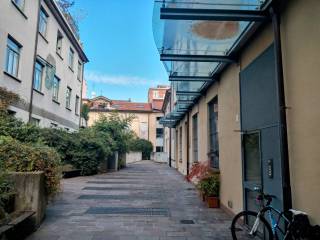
point(196, 37)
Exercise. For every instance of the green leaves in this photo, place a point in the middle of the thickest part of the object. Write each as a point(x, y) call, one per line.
point(210, 186)
point(141, 145)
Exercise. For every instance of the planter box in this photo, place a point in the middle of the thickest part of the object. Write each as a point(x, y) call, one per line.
point(30, 194)
point(213, 202)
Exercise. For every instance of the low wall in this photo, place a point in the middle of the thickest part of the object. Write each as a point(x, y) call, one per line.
point(30, 194)
point(133, 157)
point(160, 157)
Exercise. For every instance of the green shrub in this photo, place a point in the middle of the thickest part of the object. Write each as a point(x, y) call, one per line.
point(10, 126)
point(6, 192)
point(141, 145)
point(23, 157)
point(210, 186)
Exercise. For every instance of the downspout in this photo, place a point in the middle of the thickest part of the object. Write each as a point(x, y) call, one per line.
point(188, 164)
point(287, 199)
point(34, 62)
point(170, 130)
point(82, 74)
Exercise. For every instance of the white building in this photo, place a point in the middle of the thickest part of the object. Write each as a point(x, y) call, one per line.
point(41, 60)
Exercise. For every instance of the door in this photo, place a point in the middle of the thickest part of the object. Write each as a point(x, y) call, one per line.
point(261, 132)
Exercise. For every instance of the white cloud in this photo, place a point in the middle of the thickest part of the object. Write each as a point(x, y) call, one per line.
point(121, 80)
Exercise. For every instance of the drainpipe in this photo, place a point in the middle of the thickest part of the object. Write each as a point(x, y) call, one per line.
point(287, 199)
point(170, 109)
point(188, 143)
point(34, 62)
point(81, 88)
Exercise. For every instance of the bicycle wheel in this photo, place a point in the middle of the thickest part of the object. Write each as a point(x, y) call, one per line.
point(242, 225)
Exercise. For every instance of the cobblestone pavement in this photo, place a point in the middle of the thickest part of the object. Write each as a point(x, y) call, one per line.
point(144, 201)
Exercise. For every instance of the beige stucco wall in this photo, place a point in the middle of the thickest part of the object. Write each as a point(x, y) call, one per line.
point(24, 31)
point(23, 28)
point(68, 78)
point(300, 40)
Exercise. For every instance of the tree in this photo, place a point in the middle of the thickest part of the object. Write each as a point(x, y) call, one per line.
point(73, 19)
point(85, 109)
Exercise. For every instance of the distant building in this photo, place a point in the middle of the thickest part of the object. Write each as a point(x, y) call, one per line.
point(41, 60)
point(147, 115)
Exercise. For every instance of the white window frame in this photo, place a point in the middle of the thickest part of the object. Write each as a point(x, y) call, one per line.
point(59, 43)
point(13, 57)
point(77, 105)
point(19, 3)
point(38, 75)
point(79, 74)
point(43, 22)
point(68, 97)
point(55, 89)
point(71, 58)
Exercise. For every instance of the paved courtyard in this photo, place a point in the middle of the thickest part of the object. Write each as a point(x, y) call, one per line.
point(144, 201)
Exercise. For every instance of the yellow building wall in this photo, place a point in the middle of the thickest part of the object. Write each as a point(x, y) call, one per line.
point(300, 43)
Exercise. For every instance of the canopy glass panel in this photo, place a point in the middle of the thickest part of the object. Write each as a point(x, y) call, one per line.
point(177, 36)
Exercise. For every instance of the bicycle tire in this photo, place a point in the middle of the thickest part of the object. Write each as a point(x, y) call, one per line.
point(253, 214)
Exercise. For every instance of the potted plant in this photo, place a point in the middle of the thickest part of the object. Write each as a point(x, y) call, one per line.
point(210, 187)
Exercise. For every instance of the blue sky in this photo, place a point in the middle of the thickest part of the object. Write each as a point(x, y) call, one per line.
point(118, 39)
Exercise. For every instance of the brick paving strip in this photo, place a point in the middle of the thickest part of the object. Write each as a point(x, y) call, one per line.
point(144, 201)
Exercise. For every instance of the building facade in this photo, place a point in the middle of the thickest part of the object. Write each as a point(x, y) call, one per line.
point(254, 116)
point(146, 122)
point(43, 61)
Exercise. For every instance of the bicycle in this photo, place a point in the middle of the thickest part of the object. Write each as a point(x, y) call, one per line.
point(253, 225)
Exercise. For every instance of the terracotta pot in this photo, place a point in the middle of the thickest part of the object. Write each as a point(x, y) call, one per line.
point(213, 202)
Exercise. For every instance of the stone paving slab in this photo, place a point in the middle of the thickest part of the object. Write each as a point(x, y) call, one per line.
point(162, 206)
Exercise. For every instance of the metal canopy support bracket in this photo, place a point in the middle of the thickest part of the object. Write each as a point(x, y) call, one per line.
point(195, 58)
point(189, 79)
point(213, 14)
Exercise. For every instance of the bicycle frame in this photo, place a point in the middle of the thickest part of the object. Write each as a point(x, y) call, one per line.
point(275, 223)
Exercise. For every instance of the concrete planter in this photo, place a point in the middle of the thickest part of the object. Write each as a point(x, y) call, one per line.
point(30, 194)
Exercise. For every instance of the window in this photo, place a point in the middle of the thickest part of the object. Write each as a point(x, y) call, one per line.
point(59, 43)
point(180, 144)
point(195, 137)
point(159, 149)
point(38, 72)
point(68, 97)
point(35, 121)
point(13, 57)
point(79, 76)
point(71, 58)
point(155, 94)
point(158, 119)
point(77, 104)
point(43, 22)
point(213, 133)
point(19, 3)
point(159, 133)
point(56, 85)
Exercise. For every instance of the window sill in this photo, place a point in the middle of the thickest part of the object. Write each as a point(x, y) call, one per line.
point(44, 38)
point(71, 69)
point(55, 101)
point(59, 56)
point(19, 9)
point(41, 93)
point(215, 170)
point(77, 114)
point(68, 109)
point(11, 76)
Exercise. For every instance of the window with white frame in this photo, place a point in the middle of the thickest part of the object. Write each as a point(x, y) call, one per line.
point(68, 97)
point(38, 73)
point(56, 85)
point(71, 58)
point(79, 71)
point(13, 57)
point(77, 106)
point(43, 22)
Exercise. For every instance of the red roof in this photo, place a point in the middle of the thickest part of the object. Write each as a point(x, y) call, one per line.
point(157, 104)
point(121, 105)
